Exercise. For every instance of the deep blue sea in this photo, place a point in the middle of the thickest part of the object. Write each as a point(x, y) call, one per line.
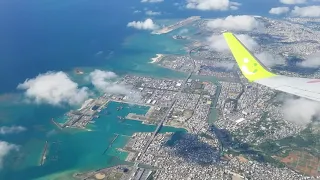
point(58, 35)
point(37, 36)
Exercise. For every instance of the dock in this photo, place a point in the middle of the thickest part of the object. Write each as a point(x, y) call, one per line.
point(44, 154)
point(137, 117)
point(115, 137)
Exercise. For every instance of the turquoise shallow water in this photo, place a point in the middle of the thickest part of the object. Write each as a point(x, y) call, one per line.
point(137, 51)
point(77, 150)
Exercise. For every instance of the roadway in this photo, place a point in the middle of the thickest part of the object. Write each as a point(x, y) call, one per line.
point(155, 132)
point(160, 124)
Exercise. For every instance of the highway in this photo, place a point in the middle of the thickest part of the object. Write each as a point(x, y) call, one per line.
point(160, 124)
point(155, 132)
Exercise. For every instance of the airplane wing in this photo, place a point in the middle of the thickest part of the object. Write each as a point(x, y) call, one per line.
point(256, 72)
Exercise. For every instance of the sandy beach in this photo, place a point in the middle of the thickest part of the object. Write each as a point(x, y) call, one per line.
point(157, 58)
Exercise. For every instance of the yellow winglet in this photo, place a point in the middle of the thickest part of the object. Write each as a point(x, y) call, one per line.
point(250, 66)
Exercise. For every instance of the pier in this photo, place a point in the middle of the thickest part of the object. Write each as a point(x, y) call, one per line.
point(115, 137)
point(55, 123)
point(44, 154)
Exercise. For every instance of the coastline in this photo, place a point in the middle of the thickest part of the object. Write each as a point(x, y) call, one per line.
point(61, 135)
point(125, 153)
point(177, 126)
point(157, 58)
point(72, 136)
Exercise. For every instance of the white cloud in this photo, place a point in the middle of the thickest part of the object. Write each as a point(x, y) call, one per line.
point(240, 23)
point(226, 65)
point(5, 149)
point(136, 11)
point(234, 5)
point(313, 60)
point(12, 129)
point(102, 80)
point(105, 82)
point(300, 111)
point(183, 31)
point(54, 88)
point(279, 10)
point(206, 5)
point(218, 43)
point(148, 24)
point(293, 1)
point(308, 11)
point(152, 13)
point(151, 1)
point(269, 59)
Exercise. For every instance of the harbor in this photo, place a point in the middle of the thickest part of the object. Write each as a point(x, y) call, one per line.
point(85, 115)
point(93, 108)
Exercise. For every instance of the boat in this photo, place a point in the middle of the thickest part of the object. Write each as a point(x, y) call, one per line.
point(78, 71)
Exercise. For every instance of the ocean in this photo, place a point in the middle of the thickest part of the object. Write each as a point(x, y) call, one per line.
point(60, 36)
point(55, 35)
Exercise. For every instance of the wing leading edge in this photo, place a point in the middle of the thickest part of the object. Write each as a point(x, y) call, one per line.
point(256, 72)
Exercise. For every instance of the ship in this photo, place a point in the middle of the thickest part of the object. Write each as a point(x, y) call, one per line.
point(179, 37)
point(78, 71)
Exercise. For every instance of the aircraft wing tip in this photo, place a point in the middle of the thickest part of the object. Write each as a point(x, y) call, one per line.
point(227, 34)
point(249, 65)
